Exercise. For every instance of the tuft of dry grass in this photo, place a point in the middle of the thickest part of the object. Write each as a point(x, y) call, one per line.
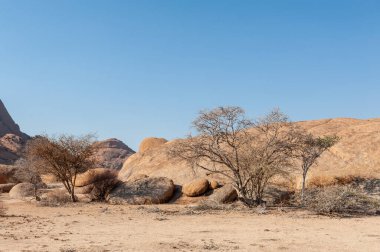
point(55, 198)
point(210, 205)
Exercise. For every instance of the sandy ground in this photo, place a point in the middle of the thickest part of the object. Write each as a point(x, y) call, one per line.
point(101, 227)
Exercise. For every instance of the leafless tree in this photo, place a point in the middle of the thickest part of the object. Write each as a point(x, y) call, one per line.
point(249, 153)
point(26, 172)
point(310, 150)
point(64, 157)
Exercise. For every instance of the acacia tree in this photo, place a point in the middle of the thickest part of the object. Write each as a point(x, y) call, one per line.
point(249, 153)
point(64, 157)
point(310, 150)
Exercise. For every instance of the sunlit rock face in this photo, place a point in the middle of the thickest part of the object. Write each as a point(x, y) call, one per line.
point(111, 153)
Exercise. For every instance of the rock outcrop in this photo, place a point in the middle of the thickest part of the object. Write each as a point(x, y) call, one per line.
point(17, 174)
point(10, 148)
point(151, 143)
point(7, 125)
point(112, 153)
point(157, 163)
point(152, 190)
point(12, 140)
point(357, 153)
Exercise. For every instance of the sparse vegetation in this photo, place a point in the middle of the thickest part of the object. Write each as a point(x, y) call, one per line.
point(55, 198)
point(249, 153)
point(341, 200)
point(64, 157)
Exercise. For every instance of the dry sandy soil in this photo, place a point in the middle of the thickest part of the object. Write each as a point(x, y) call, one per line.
point(101, 227)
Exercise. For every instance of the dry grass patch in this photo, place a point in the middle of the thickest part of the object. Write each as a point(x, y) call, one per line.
point(341, 200)
point(55, 198)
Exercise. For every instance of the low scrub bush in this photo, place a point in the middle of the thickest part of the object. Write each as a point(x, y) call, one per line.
point(206, 205)
point(55, 198)
point(341, 200)
point(102, 188)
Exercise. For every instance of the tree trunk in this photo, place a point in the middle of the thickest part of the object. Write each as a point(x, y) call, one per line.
point(303, 187)
point(73, 195)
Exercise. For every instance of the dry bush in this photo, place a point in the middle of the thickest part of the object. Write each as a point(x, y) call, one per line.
point(341, 200)
point(95, 175)
point(64, 157)
point(102, 188)
point(55, 198)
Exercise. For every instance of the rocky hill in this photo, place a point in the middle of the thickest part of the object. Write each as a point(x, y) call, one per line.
point(358, 153)
point(112, 153)
point(7, 125)
point(12, 139)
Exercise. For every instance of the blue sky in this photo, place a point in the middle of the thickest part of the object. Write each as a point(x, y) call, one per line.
point(133, 69)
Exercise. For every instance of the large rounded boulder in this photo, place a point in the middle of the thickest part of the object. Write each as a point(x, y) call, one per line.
point(214, 184)
point(22, 191)
point(151, 143)
point(152, 190)
point(226, 194)
point(94, 175)
point(196, 187)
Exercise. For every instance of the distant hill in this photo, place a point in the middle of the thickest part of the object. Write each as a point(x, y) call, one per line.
point(358, 153)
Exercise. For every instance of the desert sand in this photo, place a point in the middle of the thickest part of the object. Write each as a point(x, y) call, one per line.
point(101, 227)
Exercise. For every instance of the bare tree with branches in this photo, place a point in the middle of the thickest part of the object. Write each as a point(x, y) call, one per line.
point(64, 157)
point(249, 153)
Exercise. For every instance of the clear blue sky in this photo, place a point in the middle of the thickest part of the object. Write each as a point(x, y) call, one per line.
point(132, 69)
